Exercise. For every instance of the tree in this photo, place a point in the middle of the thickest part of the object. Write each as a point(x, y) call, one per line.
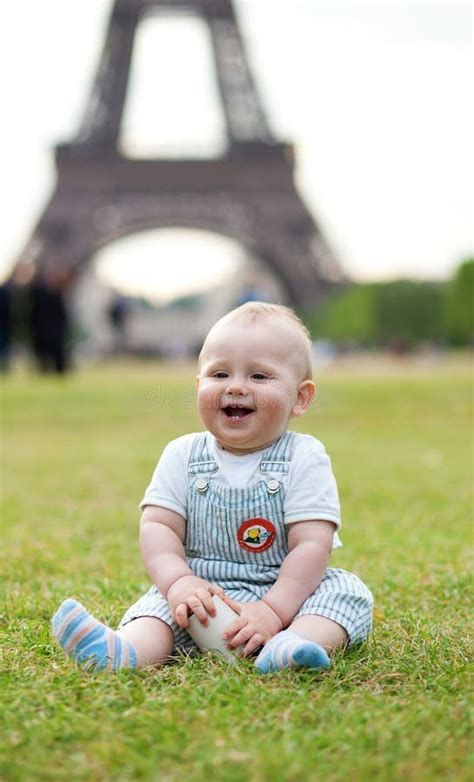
point(403, 311)
point(347, 316)
point(409, 312)
point(459, 306)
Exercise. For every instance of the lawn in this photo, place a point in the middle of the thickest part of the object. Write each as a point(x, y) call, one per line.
point(77, 454)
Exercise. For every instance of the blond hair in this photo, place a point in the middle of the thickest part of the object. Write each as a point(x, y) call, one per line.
point(254, 310)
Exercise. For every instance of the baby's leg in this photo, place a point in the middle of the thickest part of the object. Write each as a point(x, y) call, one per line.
point(338, 613)
point(320, 630)
point(152, 639)
point(95, 646)
point(307, 643)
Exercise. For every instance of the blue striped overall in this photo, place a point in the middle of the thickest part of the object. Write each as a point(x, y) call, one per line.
point(236, 537)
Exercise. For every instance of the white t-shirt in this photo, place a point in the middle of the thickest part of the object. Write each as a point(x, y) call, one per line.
point(310, 487)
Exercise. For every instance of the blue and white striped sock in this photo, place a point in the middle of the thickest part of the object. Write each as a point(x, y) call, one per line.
point(91, 644)
point(289, 650)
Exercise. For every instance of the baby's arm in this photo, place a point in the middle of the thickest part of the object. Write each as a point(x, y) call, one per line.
point(310, 545)
point(162, 534)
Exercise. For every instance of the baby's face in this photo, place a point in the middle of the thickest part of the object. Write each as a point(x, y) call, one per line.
point(251, 382)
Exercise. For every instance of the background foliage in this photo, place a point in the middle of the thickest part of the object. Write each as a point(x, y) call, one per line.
point(402, 312)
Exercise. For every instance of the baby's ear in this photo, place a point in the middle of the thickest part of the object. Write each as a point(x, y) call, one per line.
point(305, 394)
point(197, 381)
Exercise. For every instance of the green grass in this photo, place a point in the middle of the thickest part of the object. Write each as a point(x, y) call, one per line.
point(77, 455)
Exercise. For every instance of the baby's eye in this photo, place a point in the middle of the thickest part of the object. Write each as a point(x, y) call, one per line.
point(220, 375)
point(259, 376)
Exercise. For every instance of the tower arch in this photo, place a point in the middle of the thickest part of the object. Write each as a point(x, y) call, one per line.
point(246, 193)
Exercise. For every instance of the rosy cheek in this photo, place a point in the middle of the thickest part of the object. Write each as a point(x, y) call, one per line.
point(209, 399)
point(277, 400)
point(266, 400)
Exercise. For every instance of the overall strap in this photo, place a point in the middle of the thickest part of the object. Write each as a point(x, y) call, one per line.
point(278, 457)
point(200, 460)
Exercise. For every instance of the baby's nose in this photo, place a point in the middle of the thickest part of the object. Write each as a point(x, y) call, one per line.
point(236, 394)
point(236, 386)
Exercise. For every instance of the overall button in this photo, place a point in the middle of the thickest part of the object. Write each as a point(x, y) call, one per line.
point(273, 486)
point(201, 485)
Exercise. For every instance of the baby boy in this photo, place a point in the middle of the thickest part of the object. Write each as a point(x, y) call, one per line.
point(246, 510)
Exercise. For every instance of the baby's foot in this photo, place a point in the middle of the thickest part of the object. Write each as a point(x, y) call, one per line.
point(91, 644)
point(289, 650)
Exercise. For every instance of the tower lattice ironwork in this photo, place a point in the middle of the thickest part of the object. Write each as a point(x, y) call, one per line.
point(247, 193)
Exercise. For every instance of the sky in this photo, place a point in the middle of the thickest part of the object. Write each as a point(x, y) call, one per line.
point(376, 97)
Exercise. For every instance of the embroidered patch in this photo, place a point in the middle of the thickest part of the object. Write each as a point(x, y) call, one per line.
point(256, 535)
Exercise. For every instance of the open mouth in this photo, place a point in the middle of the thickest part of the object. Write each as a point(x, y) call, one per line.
point(236, 413)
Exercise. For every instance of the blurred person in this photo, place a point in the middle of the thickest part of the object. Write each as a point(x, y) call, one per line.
point(5, 326)
point(245, 510)
point(49, 322)
point(250, 291)
point(118, 313)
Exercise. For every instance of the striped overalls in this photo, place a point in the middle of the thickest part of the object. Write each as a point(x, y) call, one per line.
point(236, 537)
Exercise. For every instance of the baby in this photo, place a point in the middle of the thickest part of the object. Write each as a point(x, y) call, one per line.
point(245, 510)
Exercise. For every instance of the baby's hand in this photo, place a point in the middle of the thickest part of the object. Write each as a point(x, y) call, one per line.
point(192, 594)
point(255, 626)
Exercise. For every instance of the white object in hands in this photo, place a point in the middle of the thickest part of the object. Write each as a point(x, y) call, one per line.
point(209, 638)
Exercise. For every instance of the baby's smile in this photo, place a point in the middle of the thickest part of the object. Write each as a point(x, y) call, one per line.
point(237, 412)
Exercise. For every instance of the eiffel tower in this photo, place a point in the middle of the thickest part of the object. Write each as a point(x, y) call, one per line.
point(247, 193)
